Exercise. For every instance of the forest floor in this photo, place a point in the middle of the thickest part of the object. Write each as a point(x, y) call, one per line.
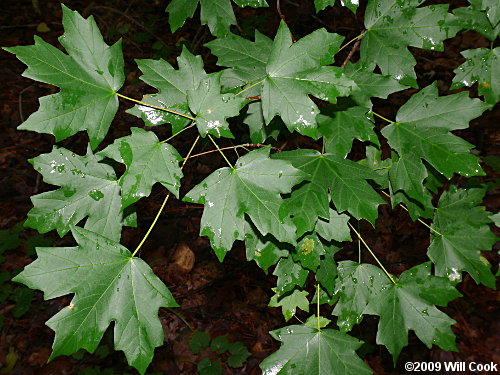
point(221, 299)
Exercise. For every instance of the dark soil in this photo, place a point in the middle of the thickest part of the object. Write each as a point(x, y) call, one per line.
point(229, 298)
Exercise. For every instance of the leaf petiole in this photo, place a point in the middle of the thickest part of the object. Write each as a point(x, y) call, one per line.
point(373, 254)
point(218, 149)
point(154, 106)
point(383, 118)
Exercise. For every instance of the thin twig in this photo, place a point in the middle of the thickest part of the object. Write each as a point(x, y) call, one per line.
point(282, 16)
point(21, 101)
point(353, 49)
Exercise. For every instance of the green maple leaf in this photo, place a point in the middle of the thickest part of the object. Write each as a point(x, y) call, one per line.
point(309, 251)
point(109, 285)
point(251, 188)
point(288, 71)
point(492, 10)
point(464, 232)
point(88, 76)
point(422, 131)
point(173, 86)
point(307, 350)
point(295, 70)
point(393, 26)
point(352, 5)
point(290, 303)
point(340, 127)
point(262, 249)
point(327, 272)
point(410, 304)
point(475, 18)
point(217, 14)
point(148, 161)
point(370, 84)
point(345, 179)
point(482, 65)
point(88, 189)
point(335, 228)
point(290, 274)
point(247, 59)
point(212, 108)
point(356, 285)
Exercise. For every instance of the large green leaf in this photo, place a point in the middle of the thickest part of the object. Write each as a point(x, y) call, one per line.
point(295, 70)
point(172, 85)
point(109, 285)
point(463, 232)
point(148, 161)
point(253, 188)
point(345, 179)
point(482, 65)
point(217, 14)
point(88, 189)
point(307, 350)
point(422, 131)
point(410, 304)
point(88, 77)
point(393, 26)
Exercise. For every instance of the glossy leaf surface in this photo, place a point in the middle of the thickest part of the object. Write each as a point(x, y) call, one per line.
point(109, 285)
point(305, 350)
point(148, 161)
point(88, 189)
point(253, 188)
point(88, 76)
point(463, 232)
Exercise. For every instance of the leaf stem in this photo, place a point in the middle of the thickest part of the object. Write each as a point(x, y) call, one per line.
point(232, 147)
point(155, 106)
point(383, 118)
point(419, 219)
point(181, 318)
point(249, 87)
point(317, 306)
point(162, 205)
point(373, 254)
point(179, 132)
point(218, 149)
point(352, 40)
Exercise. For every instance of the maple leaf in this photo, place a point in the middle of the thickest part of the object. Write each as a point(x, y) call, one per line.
point(482, 65)
point(340, 127)
point(307, 350)
point(345, 179)
point(251, 188)
point(422, 131)
point(290, 274)
point(352, 5)
point(117, 287)
point(148, 161)
point(173, 86)
point(213, 108)
point(217, 14)
point(288, 71)
point(88, 76)
point(476, 18)
point(88, 189)
point(463, 232)
point(410, 304)
point(370, 84)
point(393, 26)
point(290, 303)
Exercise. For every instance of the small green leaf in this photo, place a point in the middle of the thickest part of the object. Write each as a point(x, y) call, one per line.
point(290, 274)
point(212, 108)
point(220, 344)
point(290, 303)
point(148, 161)
point(88, 189)
point(199, 340)
point(312, 321)
point(206, 367)
point(335, 228)
point(239, 354)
